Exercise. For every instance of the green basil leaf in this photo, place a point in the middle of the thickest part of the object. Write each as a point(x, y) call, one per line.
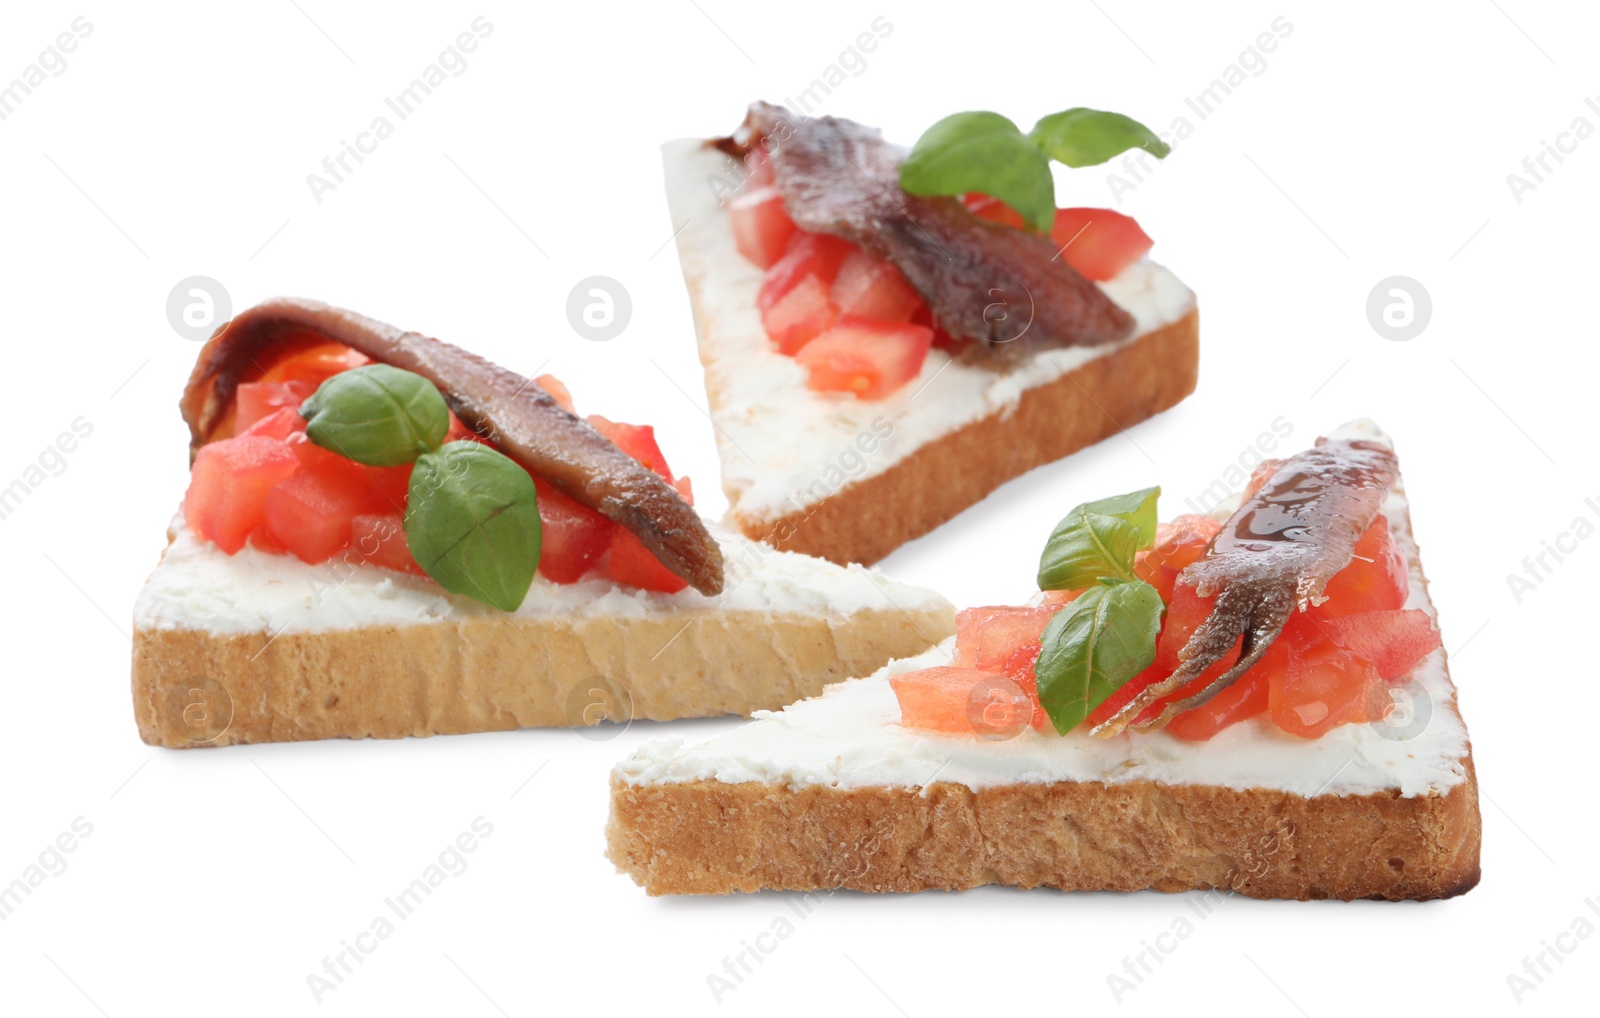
point(1136, 507)
point(1086, 547)
point(1085, 137)
point(1093, 647)
point(472, 523)
point(378, 415)
point(1098, 540)
point(984, 153)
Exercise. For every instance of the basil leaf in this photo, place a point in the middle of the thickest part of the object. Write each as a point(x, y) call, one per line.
point(472, 523)
point(1086, 547)
point(1085, 137)
point(984, 153)
point(1093, 647)
point(378, 415)
point(1136, 507)
point(1099, 539)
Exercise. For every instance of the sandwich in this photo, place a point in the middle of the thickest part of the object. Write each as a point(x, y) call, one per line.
point(385, 535)
point(1257, 703)
point(888, 337)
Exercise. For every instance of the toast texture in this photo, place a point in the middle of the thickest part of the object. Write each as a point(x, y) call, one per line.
point(484, 675)
point(710, 837)
point(867, 519)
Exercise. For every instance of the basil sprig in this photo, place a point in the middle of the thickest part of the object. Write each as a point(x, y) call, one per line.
point(1107, 634)
point(984, 152)
point(472, 523)
point(377, 414)
point(472, 514)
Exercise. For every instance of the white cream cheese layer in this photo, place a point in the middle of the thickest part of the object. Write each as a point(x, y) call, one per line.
point(197, 586)
point(784, 446)
point(851, 737)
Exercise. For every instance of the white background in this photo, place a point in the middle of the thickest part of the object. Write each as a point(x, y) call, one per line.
point(1376, 141)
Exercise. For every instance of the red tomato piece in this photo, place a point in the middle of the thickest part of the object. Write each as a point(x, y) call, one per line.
point(380, 540)
point(1323, 687)
point(871, 288)
point(865, 358)
point(279, 424)
point(1376, 578)
point(629, 561)
point(256, 401)
point(761, 225)
point(992, 209)
point(557, 390)
point(573, 536)
point(1001, 638)
point(807, 254)
point(799, 316)
point(1394, 641)
point(1099, 243)
point(1057, 598)
point(316, 361)
point(1177, 546)
point(310, 513)
point(637, 440)
point(685, 489)
point(229, 485)
point(961, 701)
point(1246, 698)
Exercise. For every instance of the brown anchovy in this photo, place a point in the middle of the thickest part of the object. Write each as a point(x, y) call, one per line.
point(1005, 289)
point(1273, 557)
point(524, 421)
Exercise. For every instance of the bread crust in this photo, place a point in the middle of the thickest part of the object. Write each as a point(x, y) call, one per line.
point(709, 837)
point(942, 478)
point(197, 688)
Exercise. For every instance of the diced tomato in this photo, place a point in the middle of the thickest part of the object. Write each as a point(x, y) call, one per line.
point(1099, 243)
point(279, 424)
point(1323, 687)
point(557, 390)
point(865, 358)
point(685, 489)
point(229, 485)
point(315, 361)
point(1394, 641)
point(261, 540)
point(573, 536)
point(380, 539)
point(961, 701)
point(1178, 545)
point(1005, 640)
point(1376, 578)
point(629, 561)
point(807, 254)
point(1057, 598)
point(871, 288)
point(1001, 638)
point(761, 225)
point(799, 316)
point(310, 513)
point(255, 401)
point(992, 209)
point(1246, 698)
point(637, 440)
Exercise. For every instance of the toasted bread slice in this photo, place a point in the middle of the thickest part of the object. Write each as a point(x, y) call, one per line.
point(833, 792)
point(256, 647)
point(851, 480)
